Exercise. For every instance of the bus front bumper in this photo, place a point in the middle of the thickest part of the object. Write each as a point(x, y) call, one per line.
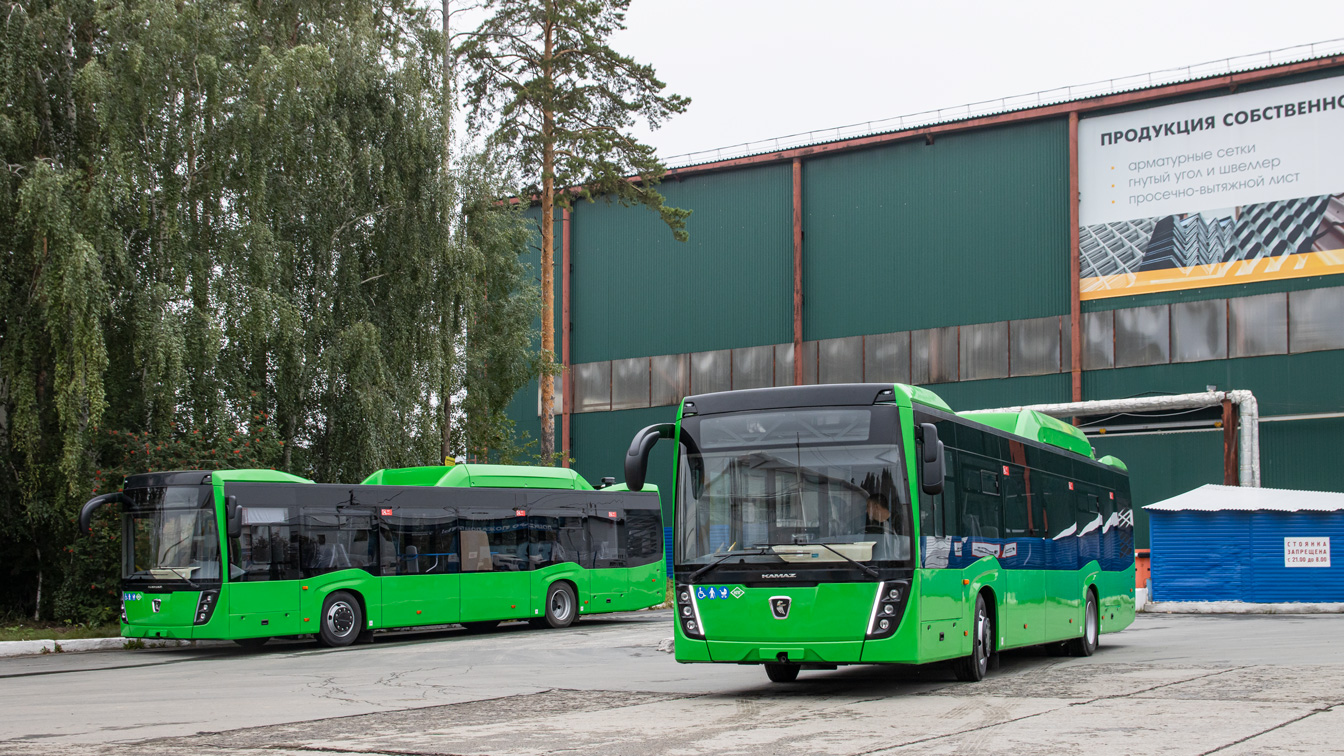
point(829, 652)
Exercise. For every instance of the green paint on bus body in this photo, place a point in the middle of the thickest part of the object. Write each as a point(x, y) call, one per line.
point(828, 621)
point(277, 608)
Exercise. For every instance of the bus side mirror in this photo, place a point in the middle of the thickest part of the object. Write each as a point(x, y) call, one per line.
point(233, 516)
point(931, 461)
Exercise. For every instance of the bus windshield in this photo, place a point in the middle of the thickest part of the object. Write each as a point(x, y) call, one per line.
point(170, 534)
point(799, 487)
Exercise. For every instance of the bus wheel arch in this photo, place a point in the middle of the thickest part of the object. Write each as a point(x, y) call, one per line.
point(1086, 644)
point(562, 605)
point(984, 640)
point(342, 619)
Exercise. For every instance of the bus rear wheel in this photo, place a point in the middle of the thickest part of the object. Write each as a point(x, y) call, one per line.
point(1087, 645)
point(974, 667)
point(560, 607)
point(342, 619)
point(782, 672)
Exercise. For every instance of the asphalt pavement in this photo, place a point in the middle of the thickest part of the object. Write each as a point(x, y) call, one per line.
point(1170, 684)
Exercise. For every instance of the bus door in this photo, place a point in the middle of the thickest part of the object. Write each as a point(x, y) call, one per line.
point(1023, 555)
point(493, 549)
point(557, 541)
point(420, 565)
point(609, 581)
point(264, 592)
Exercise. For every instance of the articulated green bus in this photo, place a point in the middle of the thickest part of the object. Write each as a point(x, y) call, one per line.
point(868, 523)
point(250, 555)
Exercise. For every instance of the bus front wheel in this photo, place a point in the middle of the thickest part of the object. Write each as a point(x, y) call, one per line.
point(782, 672)
point(1087, 644)
point(974, 667)
point(342, 619)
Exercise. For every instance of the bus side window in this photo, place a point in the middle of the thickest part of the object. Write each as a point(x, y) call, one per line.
point(981, 501)
point(644, 535)
point(1016, 516)
point(1059, 515)
point(604, 523)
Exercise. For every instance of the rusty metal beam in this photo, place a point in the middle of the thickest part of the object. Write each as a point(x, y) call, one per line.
point(1230, 476)
point(1075, 269)
point(797, 272)
point(566, 325)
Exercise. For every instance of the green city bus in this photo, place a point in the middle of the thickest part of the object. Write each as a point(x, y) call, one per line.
point(249, 555)
point(817, 526)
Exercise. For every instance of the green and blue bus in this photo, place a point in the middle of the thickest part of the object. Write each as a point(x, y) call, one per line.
point(249, 555)
point(818, 526)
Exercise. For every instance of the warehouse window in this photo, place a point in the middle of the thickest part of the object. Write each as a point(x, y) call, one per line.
point(933, 355)
point(841, 360)
point(1316, 320)
point(1098, 340)
point(592, 387)
point(984, 351)
point(783, 364)
point(886, 358)
point(1143, 336)
point(669, 374)
point(630, 383)
point(753, 367)
point(1199, 331)
point(711, 371)
point(1257, 325)
point(1035, 346)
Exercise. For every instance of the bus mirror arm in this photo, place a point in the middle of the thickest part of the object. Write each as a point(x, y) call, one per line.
point(86, 512)
point(637, 459)
point(931, 462)
point(233, 516)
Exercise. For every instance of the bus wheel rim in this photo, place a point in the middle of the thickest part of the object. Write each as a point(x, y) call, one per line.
point(560, 605)
point(982, 641)
point(340, 618)
point(1092, 624)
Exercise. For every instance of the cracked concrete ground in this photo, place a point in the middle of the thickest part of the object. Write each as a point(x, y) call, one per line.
point(1170, 684)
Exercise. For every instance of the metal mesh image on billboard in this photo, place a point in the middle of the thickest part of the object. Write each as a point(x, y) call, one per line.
point(1207, 245)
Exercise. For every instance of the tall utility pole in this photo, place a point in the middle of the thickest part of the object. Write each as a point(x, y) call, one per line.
point(450, 322)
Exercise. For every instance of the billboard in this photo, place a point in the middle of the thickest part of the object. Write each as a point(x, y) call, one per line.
point(1233, 189)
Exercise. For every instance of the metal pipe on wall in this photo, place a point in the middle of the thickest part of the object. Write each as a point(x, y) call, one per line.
point(1248, 410)
point(1075, 268)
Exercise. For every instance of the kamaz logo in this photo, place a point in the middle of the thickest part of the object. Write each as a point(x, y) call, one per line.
point(779, 575)
point(156, 605)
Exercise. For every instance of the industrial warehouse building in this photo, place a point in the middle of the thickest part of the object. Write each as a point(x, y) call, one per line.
point(1192, 231)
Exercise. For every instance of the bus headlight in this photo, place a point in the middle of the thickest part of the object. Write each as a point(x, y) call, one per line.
point(688, 614)
point(888, 605)
point(205, 606)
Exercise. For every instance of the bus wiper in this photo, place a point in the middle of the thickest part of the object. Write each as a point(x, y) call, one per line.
point(184, 577)
point(760, 551)
point(867, 570)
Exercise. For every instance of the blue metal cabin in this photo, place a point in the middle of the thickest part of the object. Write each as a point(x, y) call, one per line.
point(1225, 543)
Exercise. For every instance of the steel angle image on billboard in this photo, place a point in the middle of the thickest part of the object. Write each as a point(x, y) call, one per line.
point(1233, 189)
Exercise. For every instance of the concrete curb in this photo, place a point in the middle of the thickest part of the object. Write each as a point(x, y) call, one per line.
point(1237, 607)
point(77, 645)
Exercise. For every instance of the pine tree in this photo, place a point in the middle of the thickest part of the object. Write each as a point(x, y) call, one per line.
point(553, 93)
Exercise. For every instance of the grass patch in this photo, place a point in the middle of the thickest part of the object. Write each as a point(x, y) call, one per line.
point(23, 630)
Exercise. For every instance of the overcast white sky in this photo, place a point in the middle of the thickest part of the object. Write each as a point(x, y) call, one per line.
point(758, 69)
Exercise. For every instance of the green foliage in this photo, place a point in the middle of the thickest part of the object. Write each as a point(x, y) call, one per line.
point(218, 217)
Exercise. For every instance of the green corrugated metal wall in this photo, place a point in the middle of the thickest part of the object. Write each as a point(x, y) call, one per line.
point(638, 292)
point(971, 229)
point(601, 440)
point(523, 409)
